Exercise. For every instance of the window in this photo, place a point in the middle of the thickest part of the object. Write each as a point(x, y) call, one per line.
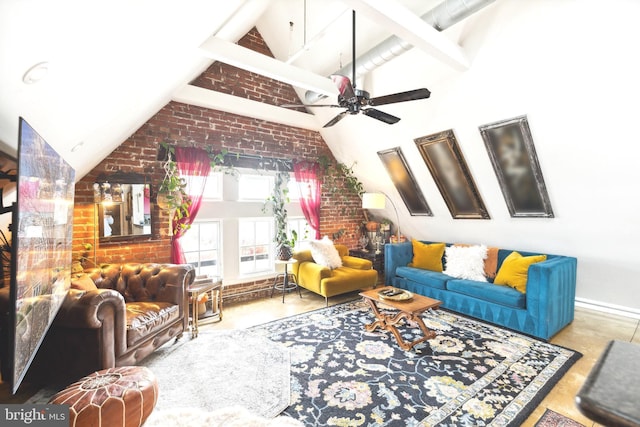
point(255, 187)
point(201, 245)
point(256, 243)
point(300, 226)
point(213, 187)
point(294, 190)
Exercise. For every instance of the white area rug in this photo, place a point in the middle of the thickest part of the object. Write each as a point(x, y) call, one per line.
point(228, 417)
point(222, 369)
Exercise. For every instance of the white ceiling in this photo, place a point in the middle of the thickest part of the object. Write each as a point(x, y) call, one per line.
point(112, 65)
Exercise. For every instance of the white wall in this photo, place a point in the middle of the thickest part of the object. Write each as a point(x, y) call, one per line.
point(572, 67)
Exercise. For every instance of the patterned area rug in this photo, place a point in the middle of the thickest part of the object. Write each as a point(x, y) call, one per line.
point(553, 419)
point(471, 374)
point(221, 369)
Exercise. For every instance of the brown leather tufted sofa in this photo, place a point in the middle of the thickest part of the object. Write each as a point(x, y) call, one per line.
point(136, 309)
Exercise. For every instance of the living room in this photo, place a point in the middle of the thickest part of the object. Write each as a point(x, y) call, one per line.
point(119, 82)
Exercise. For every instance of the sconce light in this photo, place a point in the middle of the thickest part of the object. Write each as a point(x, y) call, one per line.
point(378, 201)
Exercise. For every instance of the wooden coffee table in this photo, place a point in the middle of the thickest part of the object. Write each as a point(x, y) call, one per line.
point(407, 310)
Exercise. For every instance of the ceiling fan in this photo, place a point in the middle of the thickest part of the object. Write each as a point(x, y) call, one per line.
point(356, 100)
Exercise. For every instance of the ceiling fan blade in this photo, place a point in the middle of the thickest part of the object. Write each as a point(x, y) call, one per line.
point(307, 105)
point(382, 116)
point(411, 95)
point(344, 86)
point(336, 119)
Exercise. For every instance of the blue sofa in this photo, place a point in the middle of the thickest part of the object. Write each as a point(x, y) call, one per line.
point(546, 307)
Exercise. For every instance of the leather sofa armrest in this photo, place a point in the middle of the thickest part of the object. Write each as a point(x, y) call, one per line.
point(357, 263)
point(102, 310)
point(87, 309)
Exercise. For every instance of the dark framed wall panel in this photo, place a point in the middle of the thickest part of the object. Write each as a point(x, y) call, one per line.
point(515, 162)
point(406, 184)
point(449, 169)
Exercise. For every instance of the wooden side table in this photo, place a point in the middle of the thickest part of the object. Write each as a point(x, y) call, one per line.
point(212, 286)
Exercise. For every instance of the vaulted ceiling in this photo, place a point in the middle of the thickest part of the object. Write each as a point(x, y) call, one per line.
point(566, 64)
point(111, 66)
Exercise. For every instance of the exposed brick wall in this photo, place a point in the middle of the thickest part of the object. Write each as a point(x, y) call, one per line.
point(188, 125)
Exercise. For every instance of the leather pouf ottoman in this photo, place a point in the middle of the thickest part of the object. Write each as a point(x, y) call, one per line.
point(113, 397)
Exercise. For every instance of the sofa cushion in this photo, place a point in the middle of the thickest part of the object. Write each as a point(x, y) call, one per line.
point(514, 270)
point(466, 262)
point(486, 291)
point(325, 253)
point(144, 318)
point(424, 277)
point(427, 256)
point(345, 279)
point(490, 262)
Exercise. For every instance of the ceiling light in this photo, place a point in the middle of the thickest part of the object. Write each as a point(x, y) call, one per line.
point(36, 73)
point(77, 147)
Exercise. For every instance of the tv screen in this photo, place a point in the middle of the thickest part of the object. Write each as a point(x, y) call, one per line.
point(42, 232)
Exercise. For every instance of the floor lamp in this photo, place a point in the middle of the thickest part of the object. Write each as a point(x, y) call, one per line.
point(378, 201)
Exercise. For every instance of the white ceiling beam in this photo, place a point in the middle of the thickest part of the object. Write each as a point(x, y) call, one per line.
point(409, 27)
point(246, 59)
point(206, 98)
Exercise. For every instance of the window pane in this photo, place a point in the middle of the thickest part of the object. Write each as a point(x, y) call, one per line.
point(208, 235)
point(213, 189)
point(200, 244)
point(210, 270)
point(263, 232)
point(256, 245)
point(254, 187)
point(301, 227)
point(247, 233)
point(189, 241)
point(246, 266)
point(192, 258)
point(209, 258)
point(246, 252)
point(294, 190)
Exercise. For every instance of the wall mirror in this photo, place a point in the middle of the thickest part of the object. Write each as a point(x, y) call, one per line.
point(123, 204)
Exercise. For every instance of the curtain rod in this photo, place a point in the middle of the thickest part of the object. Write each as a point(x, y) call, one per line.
point(254, 161)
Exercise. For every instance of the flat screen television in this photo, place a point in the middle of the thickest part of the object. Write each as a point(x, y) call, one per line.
point(41, 242)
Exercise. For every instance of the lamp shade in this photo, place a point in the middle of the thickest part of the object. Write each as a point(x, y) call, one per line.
point(373, 201)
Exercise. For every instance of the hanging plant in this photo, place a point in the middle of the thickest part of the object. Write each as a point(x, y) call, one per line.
point(172, 195)
point(278, 200)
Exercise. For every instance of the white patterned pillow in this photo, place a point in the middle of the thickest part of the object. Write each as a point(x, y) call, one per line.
point(466, 262)
point(325, 254)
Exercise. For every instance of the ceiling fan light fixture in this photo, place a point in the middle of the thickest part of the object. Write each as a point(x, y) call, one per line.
point(36, 73)
point(354, 100)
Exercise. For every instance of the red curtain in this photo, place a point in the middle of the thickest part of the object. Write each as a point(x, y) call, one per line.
point(306, 174)
point(194, 166)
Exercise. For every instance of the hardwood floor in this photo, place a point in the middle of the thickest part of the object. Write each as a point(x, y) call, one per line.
point(589, 333)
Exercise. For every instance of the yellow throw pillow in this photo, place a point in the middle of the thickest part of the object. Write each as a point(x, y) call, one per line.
point(427, 256)
point(514, 269)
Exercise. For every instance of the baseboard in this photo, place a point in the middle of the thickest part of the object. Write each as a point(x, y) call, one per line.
point(608, 308)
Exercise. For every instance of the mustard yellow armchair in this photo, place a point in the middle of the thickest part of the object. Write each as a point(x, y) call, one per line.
point(355, 274)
